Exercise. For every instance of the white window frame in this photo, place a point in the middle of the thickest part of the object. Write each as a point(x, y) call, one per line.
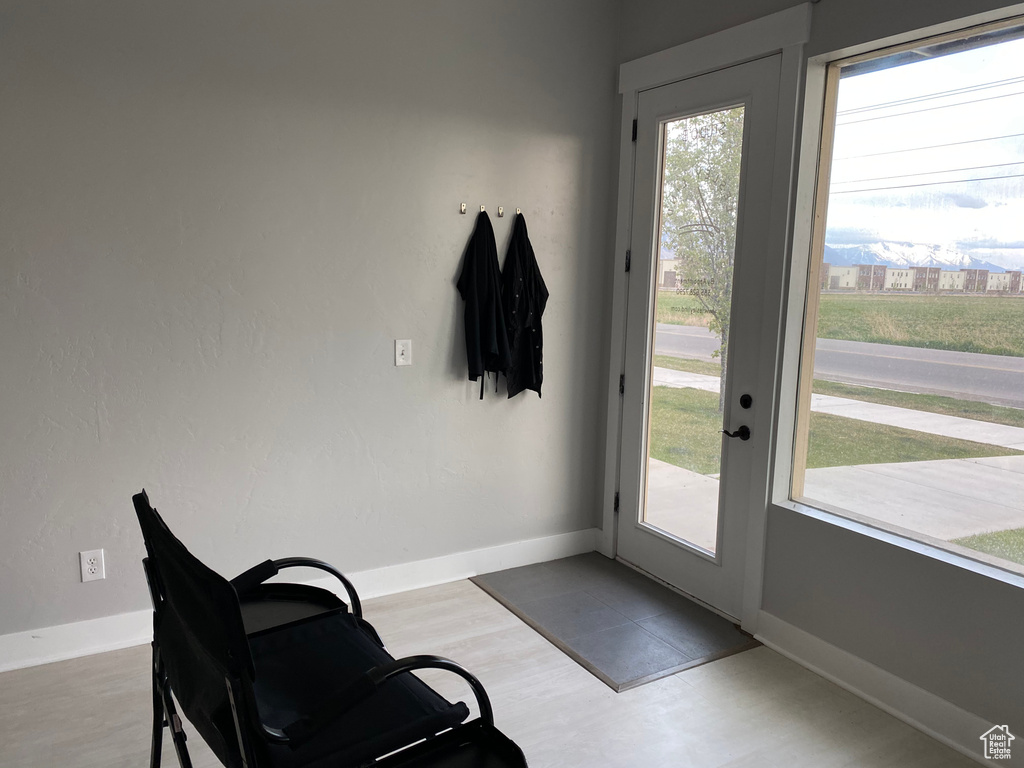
point(810, 156)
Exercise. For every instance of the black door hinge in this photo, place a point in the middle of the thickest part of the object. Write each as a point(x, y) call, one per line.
point(629, 259)
point(634, 129)
point(622, 384)
point(616, 506)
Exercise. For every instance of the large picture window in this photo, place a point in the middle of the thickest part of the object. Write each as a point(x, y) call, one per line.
point(911, 396)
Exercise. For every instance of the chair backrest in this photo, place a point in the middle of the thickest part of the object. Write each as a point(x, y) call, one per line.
point(199, 631)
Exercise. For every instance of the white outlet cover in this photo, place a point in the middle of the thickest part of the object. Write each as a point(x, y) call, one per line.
point(403, 351)
point(93, 567)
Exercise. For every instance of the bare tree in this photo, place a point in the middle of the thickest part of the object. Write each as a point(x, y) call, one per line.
point(700, 198)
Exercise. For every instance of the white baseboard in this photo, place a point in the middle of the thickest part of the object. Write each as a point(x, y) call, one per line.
point(921, 709)
point(441, 570)
point(81, 638)
point(111, 633)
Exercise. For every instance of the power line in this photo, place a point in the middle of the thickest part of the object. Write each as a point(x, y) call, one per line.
point(931, 146)
point(931, 173)
point(932, 109)
point(926, 184)
point(932, 96)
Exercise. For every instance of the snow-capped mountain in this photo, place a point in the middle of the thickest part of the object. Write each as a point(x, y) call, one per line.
point(895, 254)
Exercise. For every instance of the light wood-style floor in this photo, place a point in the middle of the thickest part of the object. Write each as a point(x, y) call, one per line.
point(755, 709)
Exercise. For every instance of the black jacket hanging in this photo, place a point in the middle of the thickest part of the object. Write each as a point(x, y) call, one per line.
point(480, 286)
point(523, 298)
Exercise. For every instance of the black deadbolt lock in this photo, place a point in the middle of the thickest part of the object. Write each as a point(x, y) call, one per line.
point(746, 401)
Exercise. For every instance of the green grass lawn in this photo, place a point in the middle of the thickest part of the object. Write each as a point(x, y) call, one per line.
point(836, 441)
point(989, 324)
point(707, 367)
point(966, 409)
point(1008, 545)
point(685, 426)
point(680, 309)
point(993, 325)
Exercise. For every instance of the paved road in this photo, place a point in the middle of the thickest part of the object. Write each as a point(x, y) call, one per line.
point(685, 341)
point(965, 375)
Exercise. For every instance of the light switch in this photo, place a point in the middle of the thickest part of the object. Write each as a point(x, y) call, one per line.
point(403, 351)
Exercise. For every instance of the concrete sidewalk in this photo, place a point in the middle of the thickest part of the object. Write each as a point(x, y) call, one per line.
point(945, 499)
point(920, 421)
point(682, 502)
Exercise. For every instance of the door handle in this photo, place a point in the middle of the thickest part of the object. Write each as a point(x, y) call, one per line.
point(743, 433)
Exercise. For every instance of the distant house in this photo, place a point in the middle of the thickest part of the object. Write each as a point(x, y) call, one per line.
point(899, 279)
point(926, 279)
point(870, 277)
point(842, 278)
point(951, 281)
point(975, 280)
point(667, 274)
point(1003, 282)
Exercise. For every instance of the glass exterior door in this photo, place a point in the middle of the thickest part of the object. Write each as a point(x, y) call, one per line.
point(695, 248)
point(702, 189)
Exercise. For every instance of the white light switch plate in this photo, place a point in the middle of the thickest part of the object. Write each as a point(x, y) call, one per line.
point(403, 351)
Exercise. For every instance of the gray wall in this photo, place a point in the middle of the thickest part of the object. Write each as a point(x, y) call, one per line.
point(947, 630)
point(649, 26)
point(215, 218)
point(840, 23)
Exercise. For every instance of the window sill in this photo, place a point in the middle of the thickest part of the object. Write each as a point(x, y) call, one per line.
point(975, 562)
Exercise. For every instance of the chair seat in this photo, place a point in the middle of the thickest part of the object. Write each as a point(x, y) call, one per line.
point(300, 668)
point(272, 605)
point(474, 745)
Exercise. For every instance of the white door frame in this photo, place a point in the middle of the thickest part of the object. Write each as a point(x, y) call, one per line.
point(787, 33)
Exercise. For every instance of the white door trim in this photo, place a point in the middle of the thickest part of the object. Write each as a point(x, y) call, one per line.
point(786, 32)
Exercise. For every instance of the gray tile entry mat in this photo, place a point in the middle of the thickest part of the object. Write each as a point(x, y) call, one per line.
point(621, 626)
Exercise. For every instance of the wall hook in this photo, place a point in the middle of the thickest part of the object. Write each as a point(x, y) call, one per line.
point(481, 209)
point(501, 212)
point(518, 211)
point(462, 208)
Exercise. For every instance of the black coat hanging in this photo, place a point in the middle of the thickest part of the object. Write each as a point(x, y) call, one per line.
point(524, 297)
point(480, 287)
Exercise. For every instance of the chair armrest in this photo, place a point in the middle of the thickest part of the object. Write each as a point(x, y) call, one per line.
point(252, 578)
point(248, 580)
point(366, 685)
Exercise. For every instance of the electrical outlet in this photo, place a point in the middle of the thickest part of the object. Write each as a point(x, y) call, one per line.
point(403, 351)
point(92, 565)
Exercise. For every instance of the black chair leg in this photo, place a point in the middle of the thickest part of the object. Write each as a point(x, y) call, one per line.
point(177, 732)
point(158, 713)
point(170, 716)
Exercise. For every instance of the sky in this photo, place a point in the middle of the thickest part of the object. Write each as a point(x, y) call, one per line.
point(933, 152)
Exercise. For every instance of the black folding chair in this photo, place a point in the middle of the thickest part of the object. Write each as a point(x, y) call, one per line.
point(289, 676)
